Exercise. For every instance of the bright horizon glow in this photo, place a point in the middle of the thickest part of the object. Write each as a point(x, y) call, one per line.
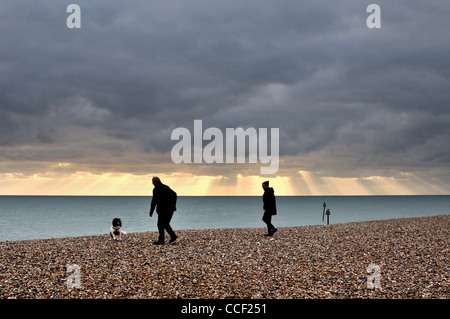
point(304, 183)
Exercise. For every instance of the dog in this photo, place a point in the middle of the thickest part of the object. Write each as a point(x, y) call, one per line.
point(115, 231)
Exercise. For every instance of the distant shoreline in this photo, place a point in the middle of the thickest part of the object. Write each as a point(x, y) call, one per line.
point(213, 229)
point(380, 195)
point(410, 255)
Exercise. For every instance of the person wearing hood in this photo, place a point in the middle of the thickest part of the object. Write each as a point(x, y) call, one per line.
point(270, 208)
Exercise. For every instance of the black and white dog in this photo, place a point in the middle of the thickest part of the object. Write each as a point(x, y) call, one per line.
point(115, 231)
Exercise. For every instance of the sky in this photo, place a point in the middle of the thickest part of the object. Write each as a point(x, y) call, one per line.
point(91, 110)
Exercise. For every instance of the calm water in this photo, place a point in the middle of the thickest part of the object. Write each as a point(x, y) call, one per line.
point(33, 217)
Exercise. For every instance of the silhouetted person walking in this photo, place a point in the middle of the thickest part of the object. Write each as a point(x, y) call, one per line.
point(165, 200)
point(270, 208)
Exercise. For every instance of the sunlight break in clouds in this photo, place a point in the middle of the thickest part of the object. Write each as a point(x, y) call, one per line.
point(185, 184)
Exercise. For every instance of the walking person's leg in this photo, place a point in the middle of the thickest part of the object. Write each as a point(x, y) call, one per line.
point(164, 225)
point(161, 226)
point(169, 229)
point(267, 218)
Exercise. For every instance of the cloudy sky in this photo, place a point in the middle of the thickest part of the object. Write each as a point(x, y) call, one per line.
point(91, 110)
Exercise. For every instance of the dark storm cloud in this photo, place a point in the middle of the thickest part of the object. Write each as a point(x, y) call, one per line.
point(348, 100)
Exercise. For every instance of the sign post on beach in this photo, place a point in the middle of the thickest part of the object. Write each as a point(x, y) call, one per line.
point(328, 216)
point(323, 214)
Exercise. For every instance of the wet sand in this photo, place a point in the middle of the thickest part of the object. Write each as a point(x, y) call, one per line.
point(409, 257)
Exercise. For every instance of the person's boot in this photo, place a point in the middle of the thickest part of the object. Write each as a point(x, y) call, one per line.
point(173, 238)
point(160, 241)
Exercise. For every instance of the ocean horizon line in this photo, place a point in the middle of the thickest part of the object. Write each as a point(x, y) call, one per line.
point(150, 195)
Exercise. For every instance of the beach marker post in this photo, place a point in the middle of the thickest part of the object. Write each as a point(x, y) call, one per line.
point(323, 213)
point(328, 216)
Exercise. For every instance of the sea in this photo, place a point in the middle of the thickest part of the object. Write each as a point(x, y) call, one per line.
point(39, 217)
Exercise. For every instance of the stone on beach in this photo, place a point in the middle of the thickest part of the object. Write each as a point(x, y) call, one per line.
point(297, 262)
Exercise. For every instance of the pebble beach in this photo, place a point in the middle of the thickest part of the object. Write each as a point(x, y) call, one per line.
point(397, 258)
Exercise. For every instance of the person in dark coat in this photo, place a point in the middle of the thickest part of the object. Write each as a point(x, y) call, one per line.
point(270, 208)
point(164, 199)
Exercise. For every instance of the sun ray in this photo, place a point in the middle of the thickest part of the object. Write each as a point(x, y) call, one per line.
point(187, 184)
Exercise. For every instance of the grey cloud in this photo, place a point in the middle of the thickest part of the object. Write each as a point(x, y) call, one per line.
point(112, 92)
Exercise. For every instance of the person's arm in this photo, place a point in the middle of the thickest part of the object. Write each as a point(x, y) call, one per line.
point(265, 201)
point(153, 204)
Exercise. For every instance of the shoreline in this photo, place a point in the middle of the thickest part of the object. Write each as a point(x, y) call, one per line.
point(222, 228)
point(410, 258)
